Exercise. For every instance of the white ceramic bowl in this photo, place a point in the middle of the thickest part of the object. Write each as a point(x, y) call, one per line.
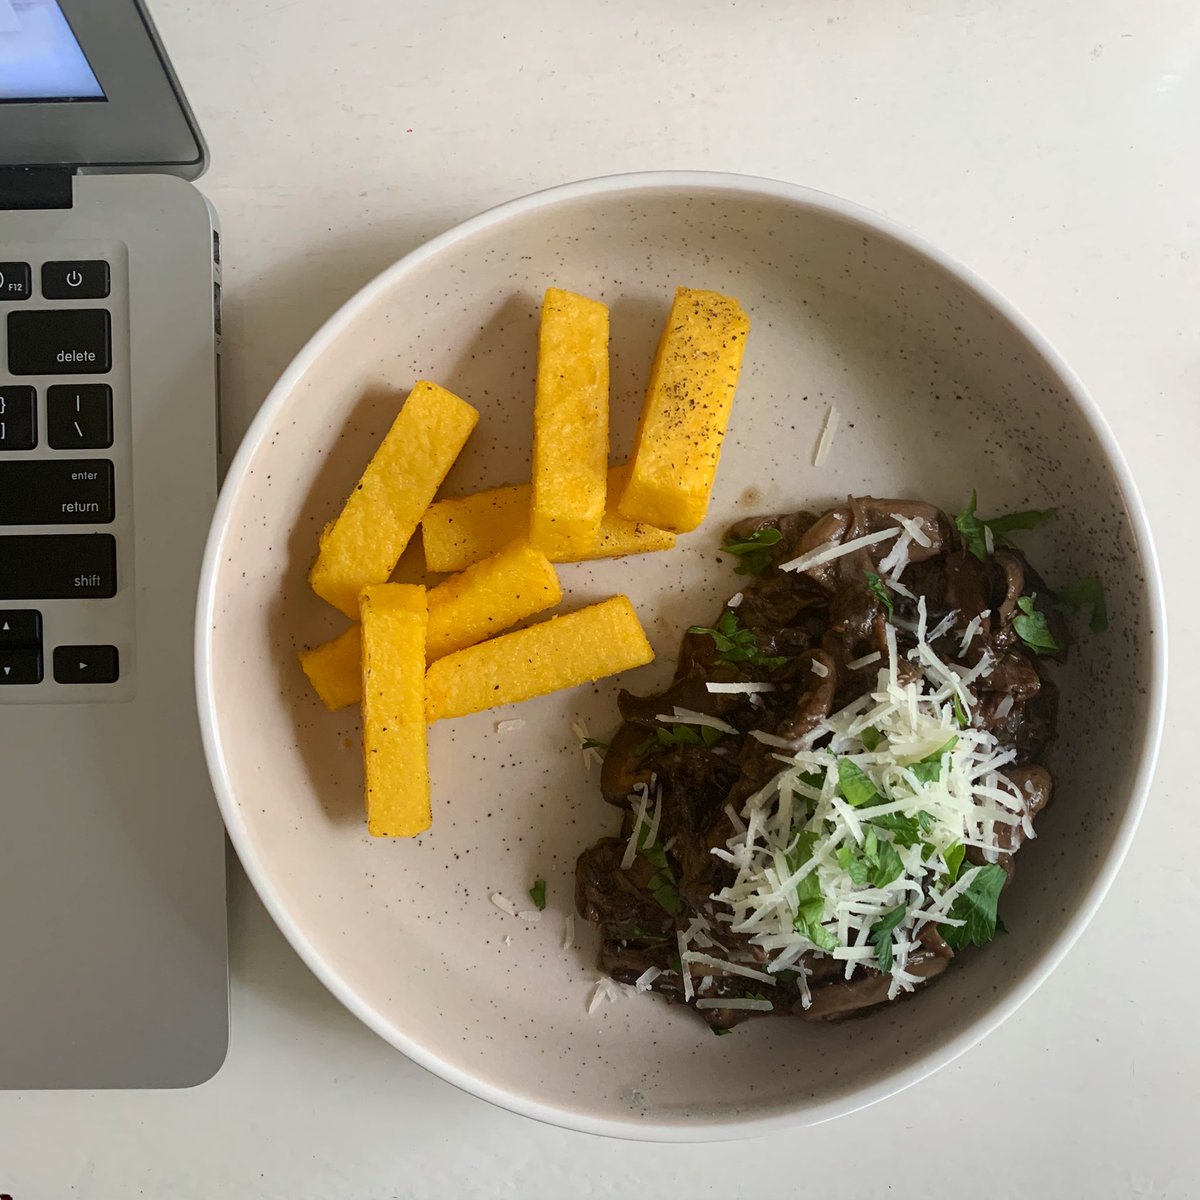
point(942, 387)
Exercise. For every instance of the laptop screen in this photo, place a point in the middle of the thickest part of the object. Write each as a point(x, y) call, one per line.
point(40, 57)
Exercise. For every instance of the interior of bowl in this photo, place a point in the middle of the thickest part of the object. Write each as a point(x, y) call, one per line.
point(938, 392)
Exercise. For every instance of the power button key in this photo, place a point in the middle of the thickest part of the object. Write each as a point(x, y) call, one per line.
point(81, 279)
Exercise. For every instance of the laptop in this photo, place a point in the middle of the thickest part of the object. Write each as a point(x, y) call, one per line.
point(113, 966)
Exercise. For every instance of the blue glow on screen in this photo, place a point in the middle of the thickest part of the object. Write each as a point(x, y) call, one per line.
point(40, 58)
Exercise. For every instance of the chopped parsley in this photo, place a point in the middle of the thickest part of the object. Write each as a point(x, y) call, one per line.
point(852, 865)
point(754, 551)
point(905, 831)
point(929, 769)
point(975, 530)
point(592, 743)
point(735, 644)
point(954, 858)
point(976, 907)
point(871, 737)
point(1032, 629)
point(1087, 593)
point(876, 585)
point(721, 1030)
point(960, 714)
point(855, 784)
point(681, 735)
point(662, 883)
point(881, 936)
point(537, 894)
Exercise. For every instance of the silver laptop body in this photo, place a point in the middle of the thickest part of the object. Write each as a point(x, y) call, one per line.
point(113, 969)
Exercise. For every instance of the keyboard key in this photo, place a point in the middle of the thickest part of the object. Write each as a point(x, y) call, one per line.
point(65, 566)
point(77, 280)
point(79, 416)
point(20, 666)
point(86, 664)
point(56, 491)
point(71, 341)
point(18, 418)
point(16, 282)
point(20, 627)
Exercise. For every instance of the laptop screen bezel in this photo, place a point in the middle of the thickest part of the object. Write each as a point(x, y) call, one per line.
point(143, 123)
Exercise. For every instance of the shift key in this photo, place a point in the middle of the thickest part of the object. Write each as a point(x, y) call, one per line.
point(58, 566)
point(56, 491)
point(70, 341)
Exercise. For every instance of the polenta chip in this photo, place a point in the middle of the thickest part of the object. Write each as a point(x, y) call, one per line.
point(686, 411)
point(489, 597)
point(335, 669)
point(363, 544)
point(484, 600)
point(560, 653)
point(395, 757)
point(570, 425)
point(459, 532)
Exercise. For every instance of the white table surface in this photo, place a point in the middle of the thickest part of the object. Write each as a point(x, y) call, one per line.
point(1050, 146)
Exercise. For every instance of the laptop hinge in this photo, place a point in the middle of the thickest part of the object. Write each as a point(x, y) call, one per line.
point(35, 187)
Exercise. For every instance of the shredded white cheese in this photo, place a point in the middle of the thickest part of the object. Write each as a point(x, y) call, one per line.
point(828, 432)
point(737, 1004)
point(865, 661)
point(685, 716)
point(819, 668)
point(834, 550)
point(735, 600)
point(504, 904)
point(568, 941)
point(646, 978)
point(510, 725)
point(745, 688)
point(532, 915)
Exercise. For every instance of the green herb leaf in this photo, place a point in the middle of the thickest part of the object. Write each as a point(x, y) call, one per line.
point(1031, 518)
point(881, 936)
point(735, 644)
point(971, 528)
point(537, 894)
point(689, 735)
point(877, 586)
point(854, 784)
point(905, 831)
point(954, 859)
point(822, 938)
point(720, 1030)
point(960, 714)
point(662, 883)
point(1087, 593)
point(871, 737)
point(853, 866)
point(977, 908)
point(595, 744)
point(646, 746)
point(754, 551)
point(1032, 629)
point(929, 768)
point(974, 529)
point(888, 867)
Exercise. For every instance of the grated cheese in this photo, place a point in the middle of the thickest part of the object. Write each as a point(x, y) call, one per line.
point(735, 600)
point(686, 716)
point(865, 661)
point(510, 725)
point(833, 419)
point(819, 668)
point(737, 1004)
point(504, 904)
point(745, 688)
point(568, 941)
point(532, 915)
point(834, 550)
point(646, 978)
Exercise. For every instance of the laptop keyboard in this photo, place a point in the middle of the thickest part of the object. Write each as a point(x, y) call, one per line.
point(66, 520)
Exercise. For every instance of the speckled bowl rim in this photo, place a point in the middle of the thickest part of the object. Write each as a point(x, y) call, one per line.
point(650, 1128)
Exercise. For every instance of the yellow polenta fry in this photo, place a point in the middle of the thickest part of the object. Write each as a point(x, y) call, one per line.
point(395, 757)
point(686, 411)
point(582, 646)
point(335, 669)
point(570, 425)
point(484, 600)
point(459, 532)
point(362, 545)
point(489, 597)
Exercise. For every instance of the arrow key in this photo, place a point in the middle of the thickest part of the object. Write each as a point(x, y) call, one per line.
point(20, 628)
point(20, 666)
point(86, 664)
